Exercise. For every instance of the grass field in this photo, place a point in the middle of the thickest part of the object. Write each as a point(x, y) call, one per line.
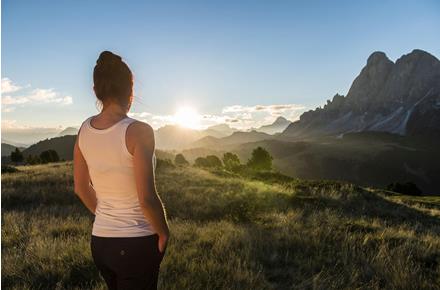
point(230, 232)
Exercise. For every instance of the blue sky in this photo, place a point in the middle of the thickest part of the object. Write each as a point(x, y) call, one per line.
point(207, 55)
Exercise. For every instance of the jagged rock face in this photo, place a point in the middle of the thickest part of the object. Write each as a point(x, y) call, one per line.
point(401, 97)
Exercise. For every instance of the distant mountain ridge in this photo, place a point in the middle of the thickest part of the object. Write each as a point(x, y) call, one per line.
point(8, 148)
point(234, 139)
point(278, 126)
point(401, 98)
point(174, 137)
point(69, 131)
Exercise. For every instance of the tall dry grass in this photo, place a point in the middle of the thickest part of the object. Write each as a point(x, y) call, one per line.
point(229, 232)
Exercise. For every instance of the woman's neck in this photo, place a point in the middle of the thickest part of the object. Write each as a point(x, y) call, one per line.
point(113, 111)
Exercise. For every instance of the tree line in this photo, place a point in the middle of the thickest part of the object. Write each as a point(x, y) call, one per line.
point(260, 160)
point(44, 157)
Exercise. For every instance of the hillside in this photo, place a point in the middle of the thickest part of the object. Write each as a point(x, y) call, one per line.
point(234, 139)
point(230, 233)
point(401, 98)
point(367, 158)
point(62, 145)
point(8, 148)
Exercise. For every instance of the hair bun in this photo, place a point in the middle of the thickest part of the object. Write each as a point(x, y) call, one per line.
point(108, 57)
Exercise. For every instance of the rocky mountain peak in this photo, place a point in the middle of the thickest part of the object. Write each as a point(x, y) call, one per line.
point(280, 121)
point(400, 97)
point(377, 58)
point(417, 55)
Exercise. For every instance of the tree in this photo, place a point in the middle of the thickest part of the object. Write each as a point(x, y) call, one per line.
point(180, 160)
point(231, 161)
point(17, 156)
point(260, 160)
point(33, 159)
point(49, 156)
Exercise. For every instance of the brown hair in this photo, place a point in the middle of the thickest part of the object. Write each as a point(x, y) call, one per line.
point(112, 79)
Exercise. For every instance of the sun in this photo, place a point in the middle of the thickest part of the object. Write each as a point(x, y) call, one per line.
point(187, 117)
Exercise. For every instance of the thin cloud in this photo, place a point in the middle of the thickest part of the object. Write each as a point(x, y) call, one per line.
point(237, 116)
point(8, 100)
point(35, 96)
point(9, 87)
point(49, 96)
point(271, 109)
point(13, 125)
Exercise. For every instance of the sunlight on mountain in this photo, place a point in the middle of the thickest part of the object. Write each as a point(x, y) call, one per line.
point(187, 117)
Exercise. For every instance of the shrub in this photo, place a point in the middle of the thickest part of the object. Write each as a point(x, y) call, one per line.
point(180, 160)
point(260, 160)
point(213, 161)
point(164, 164)
point(231, 161)
point(201, 162)
point(9, 169)
point(210, 161)
point(408, 188)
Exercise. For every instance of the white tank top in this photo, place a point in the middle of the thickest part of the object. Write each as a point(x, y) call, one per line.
point(118, 212)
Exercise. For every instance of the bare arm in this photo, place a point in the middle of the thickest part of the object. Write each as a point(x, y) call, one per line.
point(81, 178)
point(149, 200)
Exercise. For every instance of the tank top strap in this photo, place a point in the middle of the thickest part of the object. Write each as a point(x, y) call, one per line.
point(123, 129)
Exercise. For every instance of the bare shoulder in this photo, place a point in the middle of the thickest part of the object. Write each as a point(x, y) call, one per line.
point(139, 132)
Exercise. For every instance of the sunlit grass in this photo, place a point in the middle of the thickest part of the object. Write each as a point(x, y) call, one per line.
point(229, 233)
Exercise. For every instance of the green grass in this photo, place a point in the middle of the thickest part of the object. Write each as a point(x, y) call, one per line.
point(230, 232)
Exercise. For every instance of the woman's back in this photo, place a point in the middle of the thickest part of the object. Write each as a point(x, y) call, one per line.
point(118, 212)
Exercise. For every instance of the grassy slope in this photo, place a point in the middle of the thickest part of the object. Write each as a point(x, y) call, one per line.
point(230, 233)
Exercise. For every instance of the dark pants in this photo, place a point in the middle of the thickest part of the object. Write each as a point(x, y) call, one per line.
point(128, 263)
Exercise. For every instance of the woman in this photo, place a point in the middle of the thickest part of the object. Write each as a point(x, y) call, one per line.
point(114, 165)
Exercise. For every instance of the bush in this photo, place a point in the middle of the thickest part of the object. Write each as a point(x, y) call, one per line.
point(9, 169)
point(49, 156)
point(210, 161)
point(260, 160)
point(231, 161)
point(164, 164)
point(180, 160)
point(214, 161)
point(201, 162)
point(408, 188)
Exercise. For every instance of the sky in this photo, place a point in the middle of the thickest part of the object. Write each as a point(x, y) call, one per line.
point(240, 62)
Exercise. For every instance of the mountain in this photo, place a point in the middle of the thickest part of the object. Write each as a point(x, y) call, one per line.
point(236, 138)
point(220, 130)
point(15, 144)
point(278, 126)
point(172, 137)
point(401, 98)
point(175, 137)
point(62, 145)
point(68, 131)
point(8, 148)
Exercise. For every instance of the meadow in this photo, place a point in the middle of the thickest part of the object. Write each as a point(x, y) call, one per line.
point(229, 232)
